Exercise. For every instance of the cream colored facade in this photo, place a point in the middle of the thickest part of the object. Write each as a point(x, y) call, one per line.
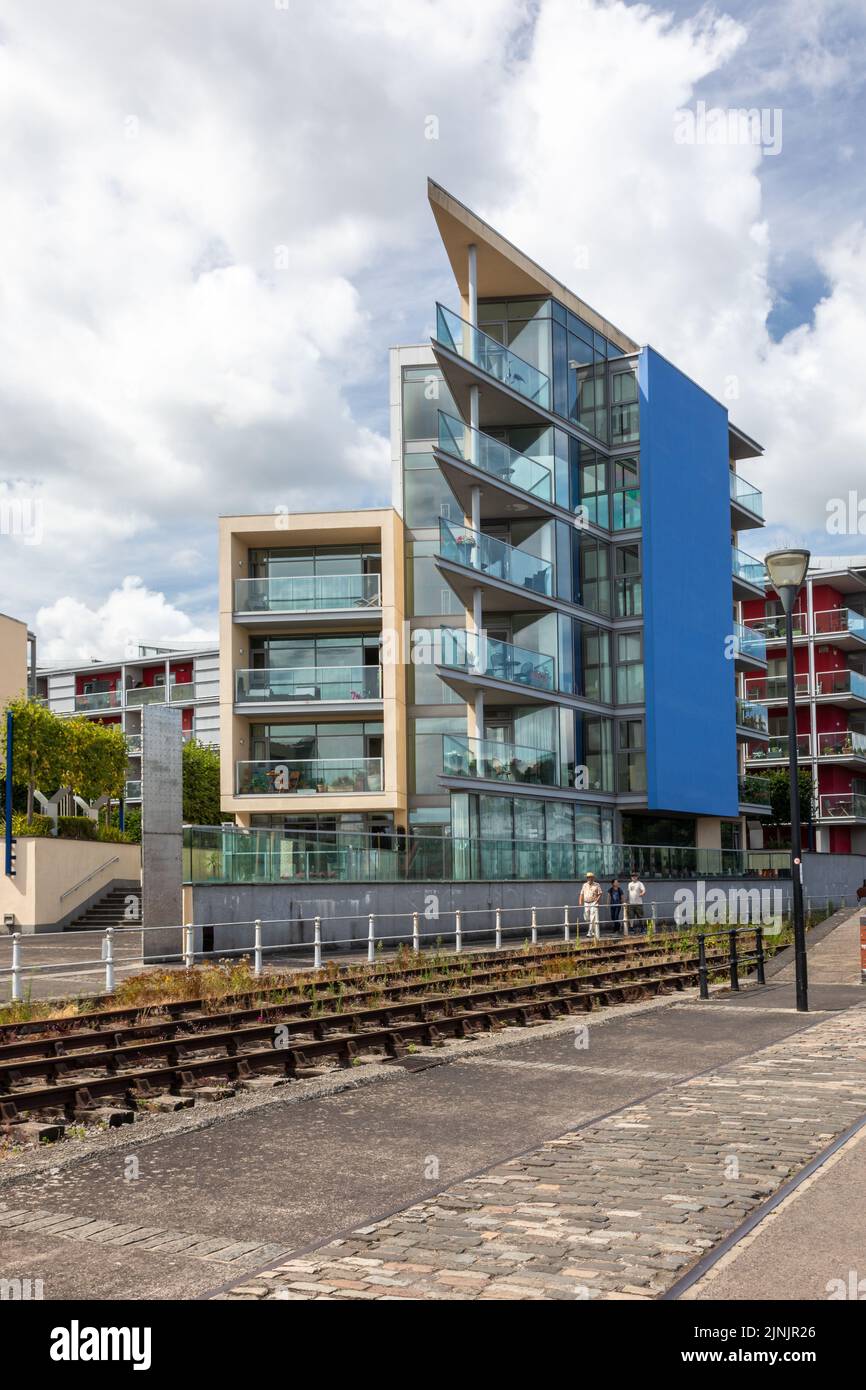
point(13, 658)
point(55, 879)
point(379, 529)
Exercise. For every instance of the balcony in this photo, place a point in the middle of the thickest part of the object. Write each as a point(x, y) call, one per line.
point(133, 745)
point(842, 628)
point(488, 761)
point(844, 688)
point(96, 701)
point(145, 695)
point(182, 692)
point(493, 564)
point(350, 599)
point(750, 648)
point(754, 792)
point(773, 690)
point(511, 481)
point(529, 386)
point(752, 720)
point(773, 629)
point(846, 746)
point(776, 751)
point(287, 776)
point(292, 685)
point(747, 504)
point(842, 806)
point(467, 660)
point(749, 575)
point(132, 791)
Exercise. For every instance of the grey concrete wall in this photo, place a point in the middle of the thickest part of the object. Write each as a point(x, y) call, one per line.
point(223, 912)
point(161, 826)
point(833, 875)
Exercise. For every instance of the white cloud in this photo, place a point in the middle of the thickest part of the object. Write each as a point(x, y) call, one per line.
point(71, 631)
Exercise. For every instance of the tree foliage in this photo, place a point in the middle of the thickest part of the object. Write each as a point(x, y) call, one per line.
point(780, 797)
point(201, 784)
point(51, 751)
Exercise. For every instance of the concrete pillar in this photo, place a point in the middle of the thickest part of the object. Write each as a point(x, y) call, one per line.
point(473, 284)
point(161, 829)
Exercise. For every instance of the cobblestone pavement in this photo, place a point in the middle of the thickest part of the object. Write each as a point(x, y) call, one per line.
point(618, 1209)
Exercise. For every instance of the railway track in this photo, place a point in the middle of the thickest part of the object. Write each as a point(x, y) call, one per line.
point(130, 1062)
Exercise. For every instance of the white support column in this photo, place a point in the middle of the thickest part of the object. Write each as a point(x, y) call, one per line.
point(473, 284)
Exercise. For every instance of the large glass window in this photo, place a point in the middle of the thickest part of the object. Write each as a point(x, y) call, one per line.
point(627, 571)
point(424, 395)
point(427, 497)
point(595, 656)
point(631, 756)
point(429, 594)
point(625, 499)
point(523, 325)
point(594, 574)
point(426, 751)
point(624, 409)
point(629, 668)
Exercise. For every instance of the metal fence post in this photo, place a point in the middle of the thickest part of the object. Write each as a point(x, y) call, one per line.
point(704, 990)
point(371, 939)
point(109, 960)
point(654, 918)
point(498, 929)
point(188, 945)
point(16, 965)
point(566, 924)
point(534, 921)
point(257, 962)
point(458, 931)
point(416, 933)
point(732, 959)
point(317, 943)
point(759, 949)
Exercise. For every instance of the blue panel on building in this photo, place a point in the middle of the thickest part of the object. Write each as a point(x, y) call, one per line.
point(690, 710)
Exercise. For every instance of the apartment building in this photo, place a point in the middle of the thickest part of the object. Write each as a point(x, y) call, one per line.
point(564, 546)
point(17, 659)
point(115, 692)
point(312, 695)
point(830, 686)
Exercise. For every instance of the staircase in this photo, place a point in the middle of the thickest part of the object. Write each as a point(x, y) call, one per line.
point(107, 911)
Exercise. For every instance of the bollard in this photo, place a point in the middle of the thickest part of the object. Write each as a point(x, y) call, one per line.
point(371, 940)
point(732, 959)
point(566, 924)
point(534, 927)
point(458, 931)
point(317, 943)
point(257, 962)
point(499, 929)
point(654, 918)
point(16, 965)
point(702, 966)
point(759, 949)
point(416, 933)
point(188, 946)
point(109, 960)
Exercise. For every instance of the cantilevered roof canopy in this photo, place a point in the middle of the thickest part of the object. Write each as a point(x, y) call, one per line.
point(503, 271)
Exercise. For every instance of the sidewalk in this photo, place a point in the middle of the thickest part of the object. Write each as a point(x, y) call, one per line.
point(622, 1207)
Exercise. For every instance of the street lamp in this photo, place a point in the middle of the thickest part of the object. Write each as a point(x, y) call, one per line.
point(787, 571)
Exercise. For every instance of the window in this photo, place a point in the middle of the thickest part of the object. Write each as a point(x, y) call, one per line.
point(594, 574)
point(424, 395)
point(426, 749)
point(629, 668)
point(427, 497)
point(627, 571)
point(625, 502)
point(624, 408)
point(595, 652)
point(631, 756)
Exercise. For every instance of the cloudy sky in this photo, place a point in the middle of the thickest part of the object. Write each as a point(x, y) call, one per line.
point(214, 224)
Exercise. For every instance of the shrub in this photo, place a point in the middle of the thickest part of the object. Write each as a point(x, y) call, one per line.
point(39, 826)
point(113, 835)
point(76, 828)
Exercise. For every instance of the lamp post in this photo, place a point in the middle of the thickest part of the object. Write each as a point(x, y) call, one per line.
point(787, 571)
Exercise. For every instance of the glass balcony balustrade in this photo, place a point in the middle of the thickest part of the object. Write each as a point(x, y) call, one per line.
point(749, 643)
point(287, 683)
point(773, 628)
point(487, 656)
point(829, 683)
point(776, 750)
point(145, 695)
point(182, 691)
point(285, 776)
point(752, 716)
point(747, 568)
point(842, 806)
point(774, 689)
point(494, 457)
point(300, 593)
point(746, 495)
point(97, 700)
point(491, 761)
point(840, 620)
point(754, 791)
point(844, 744)
point(498, 361)
point(494, 558)
point(133, 744)
point(133, 791)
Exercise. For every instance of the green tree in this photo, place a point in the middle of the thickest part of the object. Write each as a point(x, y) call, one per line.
point(201, 784)
point(38, 749)
point(95, 759)
point(780, 797)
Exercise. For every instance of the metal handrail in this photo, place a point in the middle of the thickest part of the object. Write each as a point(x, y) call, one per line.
point(87, 877)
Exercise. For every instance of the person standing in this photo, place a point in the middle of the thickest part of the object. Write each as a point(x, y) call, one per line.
point(590, 897)
point(634, 900)
point(615, 897)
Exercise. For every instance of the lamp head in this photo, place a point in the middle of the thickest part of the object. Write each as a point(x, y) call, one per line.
point(787, 571)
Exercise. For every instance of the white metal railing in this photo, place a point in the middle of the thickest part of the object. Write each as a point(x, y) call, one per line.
point(747, 906)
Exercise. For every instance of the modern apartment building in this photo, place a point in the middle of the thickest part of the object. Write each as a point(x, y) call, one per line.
point(830, 685)
point(114, 692)
point(564, 547)
point(17, 659)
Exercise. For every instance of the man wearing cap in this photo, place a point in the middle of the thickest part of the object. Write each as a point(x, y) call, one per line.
point(590, 897)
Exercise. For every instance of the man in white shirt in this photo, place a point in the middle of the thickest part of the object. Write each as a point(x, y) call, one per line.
point(634, 900)
point(590, 897)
